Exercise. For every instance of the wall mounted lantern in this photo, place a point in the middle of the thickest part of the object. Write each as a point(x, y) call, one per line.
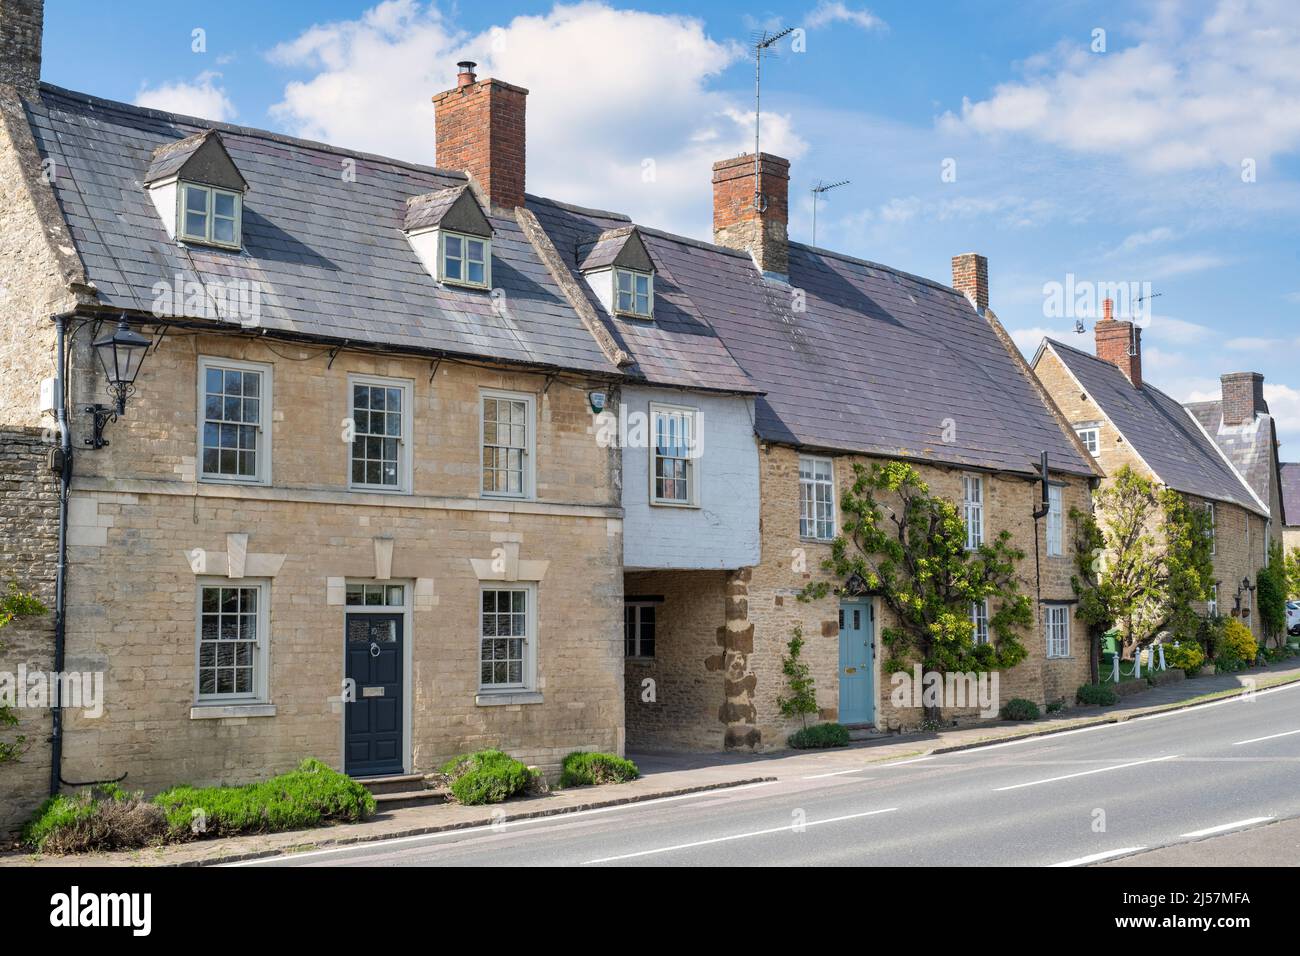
point(120, 354)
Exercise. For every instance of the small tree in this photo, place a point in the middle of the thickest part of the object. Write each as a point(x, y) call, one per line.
point(13, 604)
point(798, 678)
point(1293, 574)
point(1271, 595)
point(909, 546)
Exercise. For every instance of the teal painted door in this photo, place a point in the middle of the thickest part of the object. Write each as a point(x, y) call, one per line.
point(857, 640)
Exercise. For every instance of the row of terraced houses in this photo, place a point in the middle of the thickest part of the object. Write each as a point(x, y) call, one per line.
point(417, 462)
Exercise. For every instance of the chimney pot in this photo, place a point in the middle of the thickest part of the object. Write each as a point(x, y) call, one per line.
point(1108, 310)
point(465, 73)
point(757, 228)
point(970, 274)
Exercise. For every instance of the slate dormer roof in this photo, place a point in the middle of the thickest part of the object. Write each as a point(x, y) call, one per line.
point(327, 251)
point(614, 247)
point(1289, 472)
point(1159, 429)
point(200, 158)
point(454, 208)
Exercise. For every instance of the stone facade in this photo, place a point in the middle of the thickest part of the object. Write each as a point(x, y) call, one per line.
point(1241, 536)
point(144, 534)
point(29, 552)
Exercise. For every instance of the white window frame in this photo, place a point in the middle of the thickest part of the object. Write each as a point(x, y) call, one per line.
point(1093, 444)
point(529, 669)
point(262, 446)
point(464, 259)
point(1212, 604)
point(209, 215)
point(808, 487)
point(405, 451)
point(262, 648)
point(973, 510)
point(1055, 521)
point(692, 459)
point(650, 292)
point(1057, 631)
point(528, 480)
point(979, 618)
point(638, 607)
point(1209, 506)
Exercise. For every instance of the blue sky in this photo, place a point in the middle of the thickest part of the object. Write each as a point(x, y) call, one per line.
point(1164, 152)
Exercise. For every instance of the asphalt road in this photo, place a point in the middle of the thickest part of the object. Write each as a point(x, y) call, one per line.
point(1179, 779)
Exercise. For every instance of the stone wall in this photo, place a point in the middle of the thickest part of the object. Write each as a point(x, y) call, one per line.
point(144, 533)
point(29, 540)
point(790, 563)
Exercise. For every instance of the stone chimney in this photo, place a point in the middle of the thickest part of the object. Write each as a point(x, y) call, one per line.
point(970, 274)
point(480, 130)
point(20, 43)
point(1243, 397)
point(1119, 343)
point(758, 228)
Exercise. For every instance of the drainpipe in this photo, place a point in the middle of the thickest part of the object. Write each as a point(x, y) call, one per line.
point(60, 582)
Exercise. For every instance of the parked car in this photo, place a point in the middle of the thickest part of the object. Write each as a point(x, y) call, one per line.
point(1293, 617)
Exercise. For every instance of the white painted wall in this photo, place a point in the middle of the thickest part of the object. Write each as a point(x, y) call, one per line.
point(722, 531)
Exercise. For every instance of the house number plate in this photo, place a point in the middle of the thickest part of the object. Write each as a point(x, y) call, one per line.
point(372, 692)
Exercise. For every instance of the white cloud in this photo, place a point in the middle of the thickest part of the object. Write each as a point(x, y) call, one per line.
point(626, 107)
point(1176, 331)
point(1187, 95)
point(1028, 340)
point(202, 96)
point(1139, 239)
point(1284, 406)
point(832, 11)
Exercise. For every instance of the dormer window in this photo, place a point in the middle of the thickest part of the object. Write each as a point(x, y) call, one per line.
point(210, 215)
point(198, 191)
point(466, 260)
point(634, 293)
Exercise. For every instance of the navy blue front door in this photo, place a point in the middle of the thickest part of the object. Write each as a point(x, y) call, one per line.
point(372, 742)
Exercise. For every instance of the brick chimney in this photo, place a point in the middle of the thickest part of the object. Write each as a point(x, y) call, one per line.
point(970, 274)
point(1243, 397)
point(1115, 339)
point(480, 130)
point(20, 43)
point(738, 224)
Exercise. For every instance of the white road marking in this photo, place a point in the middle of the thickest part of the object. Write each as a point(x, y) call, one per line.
point(1224, 827)
point(1037, 739)
point(788, 828)
point(1255, 740)
point(490, 827)
point(1236, 699)
point(870, 766)
point(1098, 857)
point(1085, 773)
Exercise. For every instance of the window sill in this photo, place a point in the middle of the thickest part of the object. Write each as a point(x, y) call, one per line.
point(499, 698)
point(377, 490)
point(639, 660)
point(219, 711)
point(231, 480)
point(672, 504)
point(807, 540)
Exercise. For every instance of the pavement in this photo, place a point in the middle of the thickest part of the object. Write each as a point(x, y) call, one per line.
point(956, 796)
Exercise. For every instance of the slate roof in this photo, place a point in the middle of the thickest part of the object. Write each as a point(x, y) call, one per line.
point(1290, 481)
point(1251, 448)
point(328, 253)
point(425, 212)
point(168, 159)
point(1159, 429)
point(601, 251)
point(680, 346)
point(876, 363)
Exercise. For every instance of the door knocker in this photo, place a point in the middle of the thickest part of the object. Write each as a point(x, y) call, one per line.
point(374, 649)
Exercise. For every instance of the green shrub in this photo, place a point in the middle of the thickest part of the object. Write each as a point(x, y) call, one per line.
point(818, 736)
point(1095, 695)
point(1056, 705)
point(104, 818)
point(582, 768)
point(1237, 647)
point(485, 776)
point(1017, 708)
point(1186, 655)
point(308, 796)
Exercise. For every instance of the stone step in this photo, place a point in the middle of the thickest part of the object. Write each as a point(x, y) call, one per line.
point(408, 798)
point(395, 783)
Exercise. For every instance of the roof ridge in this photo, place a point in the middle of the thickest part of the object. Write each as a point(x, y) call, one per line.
point(251, 132)
point(925, 280)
